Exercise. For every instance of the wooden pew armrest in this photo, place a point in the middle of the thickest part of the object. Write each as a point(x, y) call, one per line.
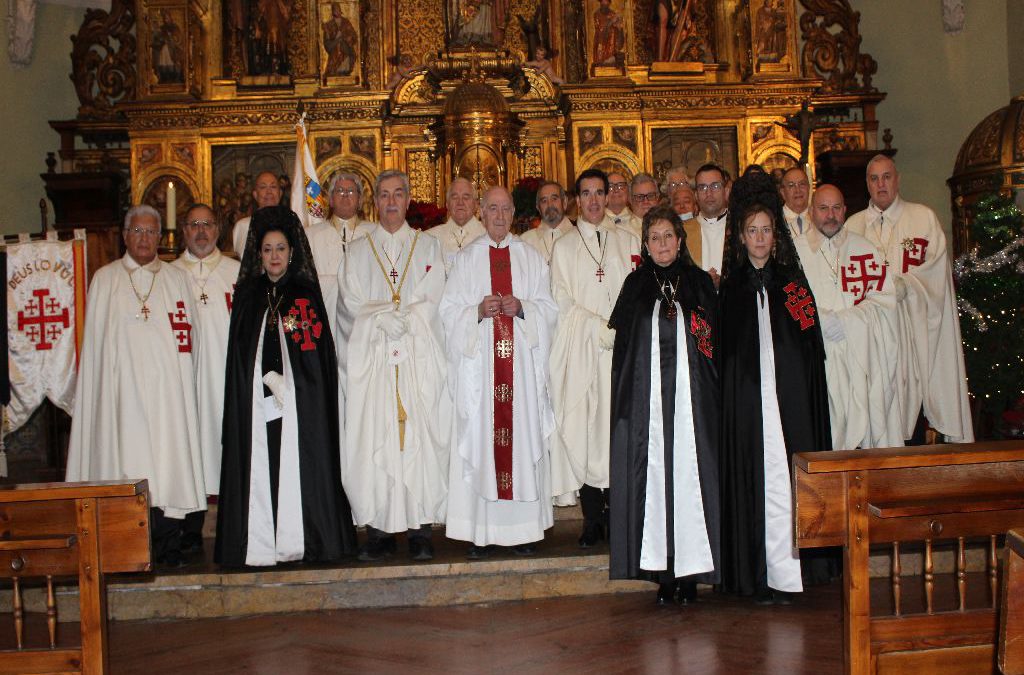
point(55, 541)
point(929, 507)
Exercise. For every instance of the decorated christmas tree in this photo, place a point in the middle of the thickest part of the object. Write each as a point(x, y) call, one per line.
point(990, 289)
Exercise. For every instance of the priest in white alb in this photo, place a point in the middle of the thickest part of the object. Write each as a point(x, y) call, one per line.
point(498, 317)
point(551, 204)
point(462, 227)
point(346, 195)
point(588, 267)
point(398, 411)
point(857, 302)
point(931, 380)
point(212, 275)
point(135, 413)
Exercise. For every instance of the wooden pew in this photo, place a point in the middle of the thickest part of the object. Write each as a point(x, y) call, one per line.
point(86, 530)
point(1011, 615)
point(923, 494)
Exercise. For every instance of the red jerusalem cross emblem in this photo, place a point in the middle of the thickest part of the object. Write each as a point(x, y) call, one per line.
point(43, 320)
point(800, 304)
point(913, 252)
point(702, 330)
point(181, 327)
point(862, 275)
point(303, 324)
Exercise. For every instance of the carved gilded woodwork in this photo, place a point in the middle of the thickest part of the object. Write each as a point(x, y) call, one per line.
point(835, 57)
point(103, 60)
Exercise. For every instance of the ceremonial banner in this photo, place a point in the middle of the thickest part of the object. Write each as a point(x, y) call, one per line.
point(308, 199)
point(45, 318)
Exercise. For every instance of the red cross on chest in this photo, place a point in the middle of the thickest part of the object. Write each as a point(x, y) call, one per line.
point(303, 324)
point(43, 319)
point(862, 275)
point(181, 327)
point(913, 252)
point(800, 304)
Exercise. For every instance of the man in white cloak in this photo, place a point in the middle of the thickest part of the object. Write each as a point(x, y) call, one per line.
point(931, 377)
point(266, 191)
point(212, 276)
point(587, 271)
point(618, 200)
point(462, 227)
point(398, 411)
point(795, 190)
point(857, 302)
point(135, 412)
point(551, 204)
point(498, 317)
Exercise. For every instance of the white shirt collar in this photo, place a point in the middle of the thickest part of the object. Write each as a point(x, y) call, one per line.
point(131, 265)
point(715, 221)
point(892, 214)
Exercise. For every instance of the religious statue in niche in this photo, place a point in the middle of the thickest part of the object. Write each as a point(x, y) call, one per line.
point(364, 146)
point(535, 31)
point(475, 23)
point(543, 64)
point(770, 29)
point(609, 35)
point(341, 43)
point(256, 37)
point(681, 31)
point(167, 50)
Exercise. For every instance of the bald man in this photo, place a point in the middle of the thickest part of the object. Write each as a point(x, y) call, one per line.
point(498, 317)
point(857, 303)
point(462, 226)
point(266, 191)
point(932, 379)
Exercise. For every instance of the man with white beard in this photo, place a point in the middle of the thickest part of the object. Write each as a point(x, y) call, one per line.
point(857, 303)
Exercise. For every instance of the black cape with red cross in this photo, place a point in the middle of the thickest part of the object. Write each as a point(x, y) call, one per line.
point(802, 397)
point(327, 519)
point(631, 407)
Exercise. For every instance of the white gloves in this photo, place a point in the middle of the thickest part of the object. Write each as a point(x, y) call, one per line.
point(394, 324)
point(606, 338)
point(901, 289)
point(275, 383)
point(832, 327)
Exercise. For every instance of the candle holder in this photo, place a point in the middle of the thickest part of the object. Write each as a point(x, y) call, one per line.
point(171, 240)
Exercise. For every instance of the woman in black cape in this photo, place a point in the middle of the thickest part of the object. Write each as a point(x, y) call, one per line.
point(774, 397)
point(664, 437)
point(281, 497)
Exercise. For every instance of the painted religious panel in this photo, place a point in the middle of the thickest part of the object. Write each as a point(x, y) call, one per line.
point(773, 38)
point(683, 31)
point(691, 147)
point(163, 56)
point(476, 23)
point(608, 25)
point(258, 40)
point(339, 42)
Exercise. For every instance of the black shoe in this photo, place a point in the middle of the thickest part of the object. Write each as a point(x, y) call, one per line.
point(782, 598)
point(764, 596)
point(376, 549)
point(593, 532)
point(191, 545)
point(478, 552)
point(666, 594)
point(172, 560)
point(687, 592)
point(525, 549)
point(421, 549)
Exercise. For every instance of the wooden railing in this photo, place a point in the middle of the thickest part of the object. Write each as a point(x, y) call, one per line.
point(87, 530)
point(1011, 618)
point(894, 496)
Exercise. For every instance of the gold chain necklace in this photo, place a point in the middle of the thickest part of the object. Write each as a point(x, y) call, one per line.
point(203, 297)
point(834, 269)
point(604, 249)
point(670, 298)
point(396, 290)
point(273, 309)
point(143, 309)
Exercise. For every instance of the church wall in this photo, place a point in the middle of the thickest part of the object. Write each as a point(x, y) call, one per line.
point(1014, 45)
point(939, 86)
point(31, 97)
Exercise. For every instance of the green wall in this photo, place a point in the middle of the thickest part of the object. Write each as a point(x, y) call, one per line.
point(939, 86)
point(31, 97)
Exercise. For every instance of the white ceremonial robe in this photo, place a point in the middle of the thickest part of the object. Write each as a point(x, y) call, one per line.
point(350, 230)
point(845, 274)
point(454, 238)
point(475, 512)
point(213, 277)
point(326, 244)
point(712, 241)
point(620, 219)
point(135, 410)
point(389, 488)
point(581, 369)
point(931, 370)
point(239, 234)
point(799, 223)
point(542, 238)
point(782, 559)
point(636, 225)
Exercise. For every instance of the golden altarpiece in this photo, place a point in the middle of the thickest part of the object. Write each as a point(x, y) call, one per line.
point(206, 94)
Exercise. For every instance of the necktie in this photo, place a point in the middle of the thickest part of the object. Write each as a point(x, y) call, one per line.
point(800, 224)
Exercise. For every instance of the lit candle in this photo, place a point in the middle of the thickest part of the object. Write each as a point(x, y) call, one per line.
point(172, 206)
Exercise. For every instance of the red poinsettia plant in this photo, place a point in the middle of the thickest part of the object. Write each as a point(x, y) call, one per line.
point(422, 215)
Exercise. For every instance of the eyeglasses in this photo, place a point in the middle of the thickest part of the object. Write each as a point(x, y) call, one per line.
point(616, 187)
point(713, 187)
point(204, 224)
point(344, 192)
point(793, 184)
point(144, 232)
point(677, 183)
point(645, 196)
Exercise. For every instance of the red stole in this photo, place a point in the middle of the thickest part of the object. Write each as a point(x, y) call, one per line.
point(501, 284)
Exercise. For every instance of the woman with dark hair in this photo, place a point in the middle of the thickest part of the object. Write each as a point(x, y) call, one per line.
point(665, 419)
point(280, 495)
point(774, 400)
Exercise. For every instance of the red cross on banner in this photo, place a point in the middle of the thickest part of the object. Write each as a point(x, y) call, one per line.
point(863, 274)
point(43, 319)
point(181, 327)
point(913, 252)
point(800, 304)
point(304, 324)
